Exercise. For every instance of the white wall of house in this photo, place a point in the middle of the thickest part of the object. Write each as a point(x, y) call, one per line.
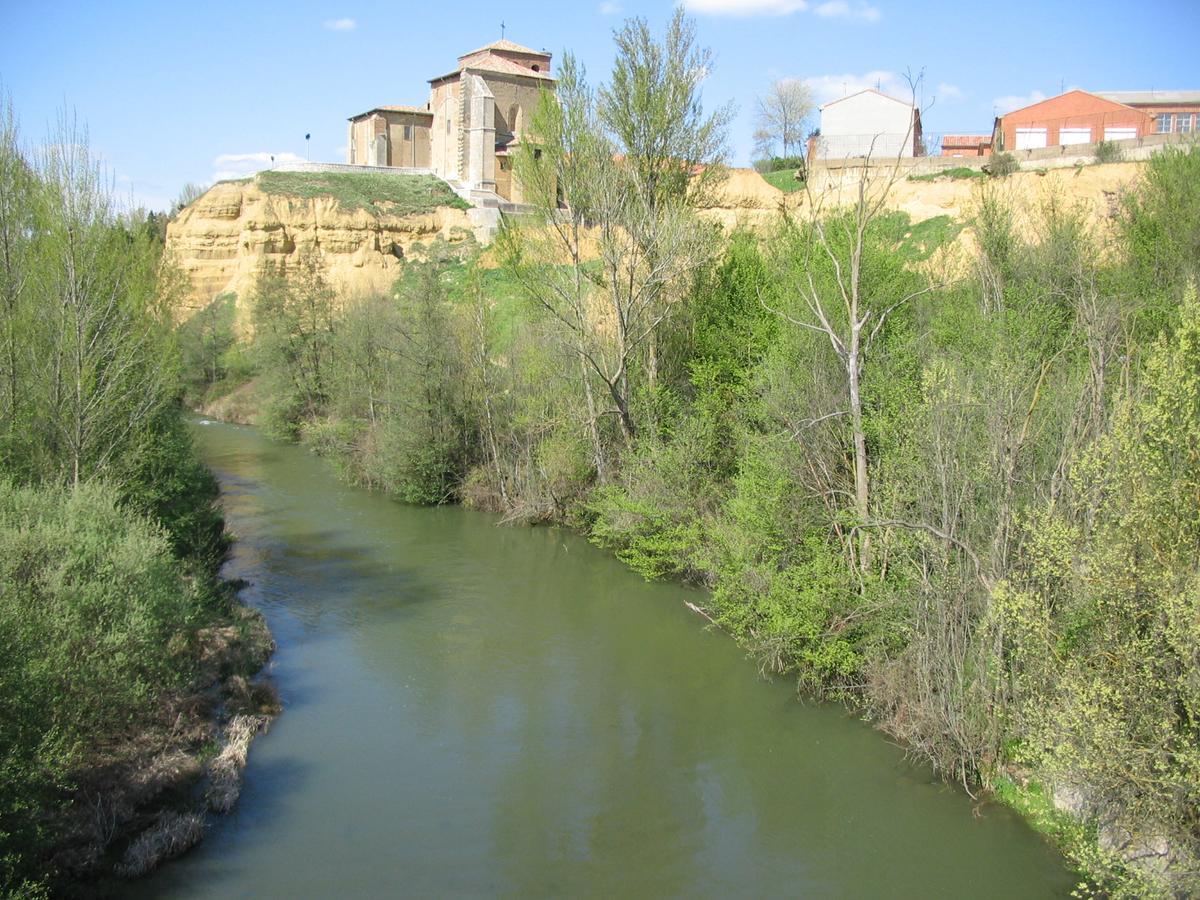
point(866, 124)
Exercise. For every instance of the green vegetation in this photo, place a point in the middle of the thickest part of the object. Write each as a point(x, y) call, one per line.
point(1109, 152)
point(981, 533)
point(916, 243)
point(1002, 164)
point(379, 194)
point(958, 173)
point(784, 179)
point(968, 505)
point(110, 535)
point(95, 610)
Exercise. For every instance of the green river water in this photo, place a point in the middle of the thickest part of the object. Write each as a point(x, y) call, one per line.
point(473, 710)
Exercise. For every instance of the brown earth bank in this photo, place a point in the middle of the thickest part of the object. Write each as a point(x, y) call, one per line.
point(747, 200)
point(223, 239)
point(147, 797)
point(241, 406)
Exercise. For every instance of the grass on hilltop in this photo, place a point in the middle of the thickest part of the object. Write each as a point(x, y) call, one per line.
point(955, 174)
point(394, 194)
point(784, 179)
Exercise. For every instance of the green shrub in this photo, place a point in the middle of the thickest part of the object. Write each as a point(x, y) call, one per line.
point(94, 620)
point(1109, 152)
point(1160, 223)
point(162, 478)
point(779, 164)
point(1002, 164)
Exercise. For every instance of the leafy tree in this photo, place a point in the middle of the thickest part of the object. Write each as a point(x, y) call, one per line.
point(654, 111)
point(101, 363)
point(628, 164)
point(425, 436)
point(18, 208)
point(1103, 619)
point(294, 331)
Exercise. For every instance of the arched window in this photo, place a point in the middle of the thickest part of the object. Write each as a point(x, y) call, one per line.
point(513, 122)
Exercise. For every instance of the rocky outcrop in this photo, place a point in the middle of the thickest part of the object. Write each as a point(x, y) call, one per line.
point(222, 240)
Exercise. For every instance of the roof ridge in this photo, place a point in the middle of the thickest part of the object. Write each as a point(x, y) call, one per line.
point(867, 90)
point(510, 46)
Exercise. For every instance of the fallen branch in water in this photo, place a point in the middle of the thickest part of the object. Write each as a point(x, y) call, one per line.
point(694, 608)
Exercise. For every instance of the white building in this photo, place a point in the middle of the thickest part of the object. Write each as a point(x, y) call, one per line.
point(868, 123)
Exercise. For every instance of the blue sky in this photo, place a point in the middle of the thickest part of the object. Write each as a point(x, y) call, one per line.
point(178, 92)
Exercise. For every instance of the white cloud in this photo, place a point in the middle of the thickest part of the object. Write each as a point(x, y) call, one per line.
point(745, 7)
point(1009, 102)
point(242, 165)
point(608, 8)
point(949, 92)
point(339, 25)
point(840, 9)
point(833, 87)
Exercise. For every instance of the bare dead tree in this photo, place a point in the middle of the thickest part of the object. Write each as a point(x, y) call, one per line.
point(782, 113)
point(836, 234)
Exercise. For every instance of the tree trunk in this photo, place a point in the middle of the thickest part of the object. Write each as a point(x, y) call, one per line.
point(861, 484)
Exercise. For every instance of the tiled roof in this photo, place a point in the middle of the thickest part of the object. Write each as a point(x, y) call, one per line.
point(419, 110)
point(415, 110)
point(486, 62)
point(1051, 101)
point(510, 47)
point(506, 66)
point(966, 139)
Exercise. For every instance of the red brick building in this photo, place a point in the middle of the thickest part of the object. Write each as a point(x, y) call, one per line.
point(1173, 112)
point(1076, 117)
point(967, 145)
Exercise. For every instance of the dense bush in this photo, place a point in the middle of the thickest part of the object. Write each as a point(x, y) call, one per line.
point(780, 164)
point(1002, 164)
point(1109, 152)
point(95, 614)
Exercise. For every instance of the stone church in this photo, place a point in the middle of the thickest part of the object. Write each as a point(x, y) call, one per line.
point(475, 117)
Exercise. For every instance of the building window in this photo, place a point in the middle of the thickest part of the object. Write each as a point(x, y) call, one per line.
point(1183, 122)
point(408, 132)
point(1162, 123)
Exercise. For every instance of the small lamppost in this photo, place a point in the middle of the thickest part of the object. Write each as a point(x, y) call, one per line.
point(307, 155)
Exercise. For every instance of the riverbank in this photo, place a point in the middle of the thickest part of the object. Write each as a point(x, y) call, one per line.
point(951, 532)
point(147, 796)
point(474, 710)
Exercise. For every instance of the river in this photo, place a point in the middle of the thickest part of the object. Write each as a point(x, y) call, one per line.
point(478, 710)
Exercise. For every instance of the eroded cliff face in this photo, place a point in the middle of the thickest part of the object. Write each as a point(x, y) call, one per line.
point(224, 238)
